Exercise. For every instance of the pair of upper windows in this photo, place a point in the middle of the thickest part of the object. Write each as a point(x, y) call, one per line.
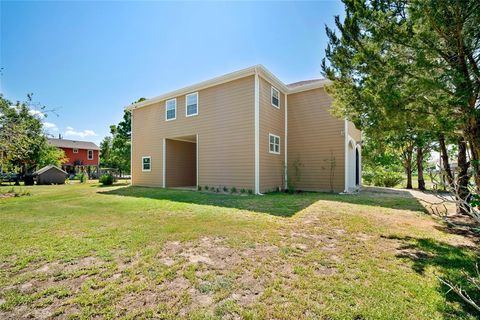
point(191, 106)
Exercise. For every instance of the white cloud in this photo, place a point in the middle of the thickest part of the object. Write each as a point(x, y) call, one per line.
point(40, 114)
point(82, 134)
point(50, 126)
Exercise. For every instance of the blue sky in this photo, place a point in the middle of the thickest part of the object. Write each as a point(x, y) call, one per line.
point(90, 59)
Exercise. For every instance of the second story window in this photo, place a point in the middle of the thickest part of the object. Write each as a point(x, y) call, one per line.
point(75, 150)
point(90, 154)
point(191, 102)
point(171, 109)
point(275, 98)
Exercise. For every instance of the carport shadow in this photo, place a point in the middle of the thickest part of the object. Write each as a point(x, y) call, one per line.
point(449, 262)
point(277, 204)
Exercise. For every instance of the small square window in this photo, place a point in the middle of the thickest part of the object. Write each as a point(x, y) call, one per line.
point(191, 104)
point(274, 143)
point(146, 163)
point(171, 109)
point(90, 154)
point(75, 150)
point(275, 98)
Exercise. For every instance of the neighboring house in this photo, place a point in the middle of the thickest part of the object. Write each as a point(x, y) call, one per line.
point(81, 155)
point(50, 175)
point(239, 130)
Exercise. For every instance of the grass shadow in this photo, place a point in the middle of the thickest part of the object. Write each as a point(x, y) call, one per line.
point(448, 262)
point(277, 204)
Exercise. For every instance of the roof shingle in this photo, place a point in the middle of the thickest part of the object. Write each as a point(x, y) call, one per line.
point(64, 143)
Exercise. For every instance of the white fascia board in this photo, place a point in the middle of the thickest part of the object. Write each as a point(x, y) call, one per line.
point(310, 86)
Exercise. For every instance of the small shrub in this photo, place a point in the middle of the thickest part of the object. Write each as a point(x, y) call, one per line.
point(367, 177)
point(206, 188)
point(243, 190)
point(217, 190)
point(250, 191)
point(233, 190)
point(81, 176)
point(106, 180)
point(387, 179)
point(225, 189)
point(199, 188)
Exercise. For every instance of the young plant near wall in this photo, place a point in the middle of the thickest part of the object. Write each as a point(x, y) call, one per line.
point(296, 177)
point(242, 191)
point(233, 190)
point(331, 166)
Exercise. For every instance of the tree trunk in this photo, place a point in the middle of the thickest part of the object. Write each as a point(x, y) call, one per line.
point(463, 177)
point(407, 165)
point(473, 137)
point(445, 161)
point(421, 180)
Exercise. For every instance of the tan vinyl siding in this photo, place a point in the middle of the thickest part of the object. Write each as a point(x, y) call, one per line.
point(315, 137)
point(225, 128)
point(272, 120)
point(181, 163)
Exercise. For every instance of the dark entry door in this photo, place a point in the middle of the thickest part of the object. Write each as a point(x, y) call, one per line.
point(357, 167)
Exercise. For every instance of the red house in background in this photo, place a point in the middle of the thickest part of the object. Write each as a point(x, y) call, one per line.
point(83, 156)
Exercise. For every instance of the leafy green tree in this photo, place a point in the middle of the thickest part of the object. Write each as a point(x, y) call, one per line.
point(24, 146)
point(409, 59)
point(115, 150)
point(51, 155)
point(105, 151)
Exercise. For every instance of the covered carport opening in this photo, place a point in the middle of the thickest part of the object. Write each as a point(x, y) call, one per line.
point(181, 162)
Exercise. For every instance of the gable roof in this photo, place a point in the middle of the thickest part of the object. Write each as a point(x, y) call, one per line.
point(65, 143)
point(46, 168)
point(258, 69)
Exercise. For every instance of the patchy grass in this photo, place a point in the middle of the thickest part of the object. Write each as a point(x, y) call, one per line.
point(81, 251)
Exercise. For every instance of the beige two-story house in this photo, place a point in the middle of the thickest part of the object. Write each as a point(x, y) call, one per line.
point(248, 130)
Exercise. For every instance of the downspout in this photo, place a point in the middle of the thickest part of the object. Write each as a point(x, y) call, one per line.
point(346, 155)
point(257, 132)
point(286, 142)
point(131, 148)
point(197, 161)
point(164, 157)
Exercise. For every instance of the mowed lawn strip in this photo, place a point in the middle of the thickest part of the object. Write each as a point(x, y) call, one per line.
point(80, 251)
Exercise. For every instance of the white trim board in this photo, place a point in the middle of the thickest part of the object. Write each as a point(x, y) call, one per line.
point(164, 158)
point(285, 142)
point(257, 133)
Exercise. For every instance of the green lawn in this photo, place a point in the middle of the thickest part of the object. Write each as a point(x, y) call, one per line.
point(84, 251)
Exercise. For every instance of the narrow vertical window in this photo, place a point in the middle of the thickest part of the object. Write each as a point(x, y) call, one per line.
point(275, 98)
point(90, 154)
point(146, 163)
point(191, 104)
point(274, 143)
point(171, 109)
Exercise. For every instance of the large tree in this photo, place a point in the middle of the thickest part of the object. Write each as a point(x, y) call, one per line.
point(115, 150)
point(414, 58)
point(24, 145)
